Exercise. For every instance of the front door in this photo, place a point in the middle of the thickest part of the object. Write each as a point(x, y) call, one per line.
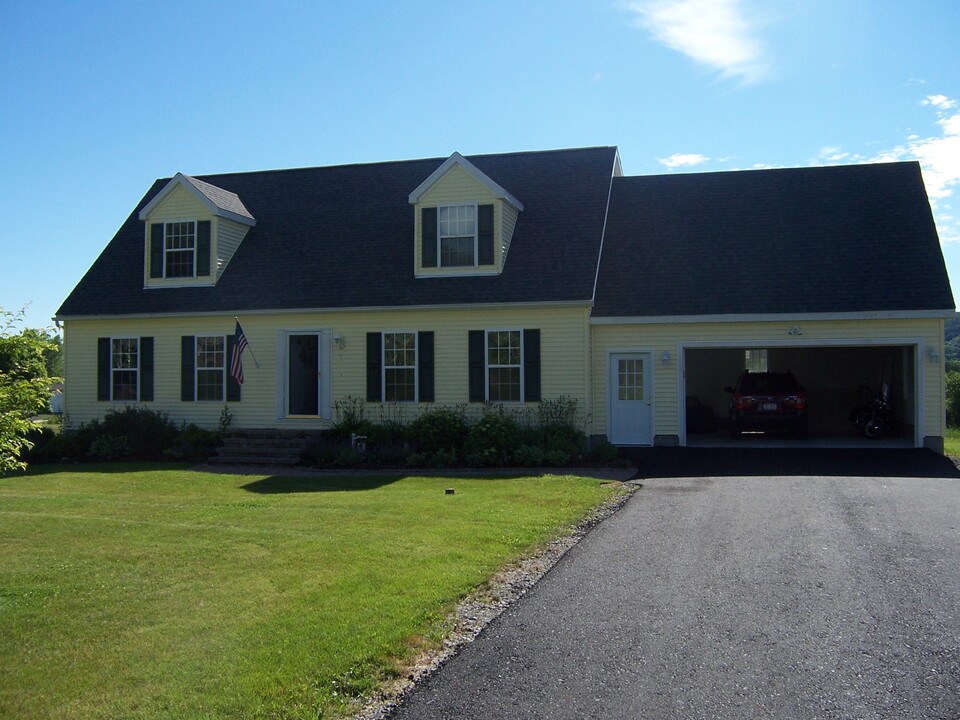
point(303, 374)
point(630, 399)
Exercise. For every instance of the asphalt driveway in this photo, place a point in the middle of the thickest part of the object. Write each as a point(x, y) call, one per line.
point(733, 597)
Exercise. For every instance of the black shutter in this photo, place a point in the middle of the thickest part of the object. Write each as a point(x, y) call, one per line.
point(428, 237)
point(203, 248)
point(146, 369)
point(187, 360)
point(233, 387)
point(531, 365)
point(374, 355)
point(485, 235)
point(156, 250)
point(477, 366)
point(425, 365)
point(103, 368)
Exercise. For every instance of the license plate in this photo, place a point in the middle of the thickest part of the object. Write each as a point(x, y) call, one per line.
point(769, 406)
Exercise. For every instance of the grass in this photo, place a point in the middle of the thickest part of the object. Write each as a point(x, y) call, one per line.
point(144, 592)
point(951, 443)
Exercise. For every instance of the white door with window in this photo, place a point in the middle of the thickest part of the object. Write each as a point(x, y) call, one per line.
point(631, 385)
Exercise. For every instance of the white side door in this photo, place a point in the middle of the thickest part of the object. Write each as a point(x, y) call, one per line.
point(630, 383)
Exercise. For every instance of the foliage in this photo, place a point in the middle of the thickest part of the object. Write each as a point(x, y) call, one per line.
point(348, 417)
point(492, 439)
point(953, 398)
point(604, 452)
point(439, 429)
point(24, 386)
point(558, 426)
point(167, 592)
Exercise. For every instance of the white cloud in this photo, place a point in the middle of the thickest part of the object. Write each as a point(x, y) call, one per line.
point(939, 158)
point(939, 101)
point(678, 160)
point(720, 34)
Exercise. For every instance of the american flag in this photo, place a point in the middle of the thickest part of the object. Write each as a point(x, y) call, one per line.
point(236, 361)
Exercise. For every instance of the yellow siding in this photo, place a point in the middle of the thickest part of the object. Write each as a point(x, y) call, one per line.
point(660, 338)
point(180, 204)
point(228, 236)
point(564, 335)
point(458, 186)
point(510, 214)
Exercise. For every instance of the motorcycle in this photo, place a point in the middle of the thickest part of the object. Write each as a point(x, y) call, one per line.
point(875, 418)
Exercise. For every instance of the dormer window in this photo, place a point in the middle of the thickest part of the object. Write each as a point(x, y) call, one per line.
point(178, 249)
point(457, 232)
point(464, 222)
point(193, 229)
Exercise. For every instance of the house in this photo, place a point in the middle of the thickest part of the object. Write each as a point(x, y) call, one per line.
point(513, 278)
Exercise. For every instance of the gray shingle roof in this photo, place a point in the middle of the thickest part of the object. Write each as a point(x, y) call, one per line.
point(223, 199)
point(856, 238)
point(339, 237)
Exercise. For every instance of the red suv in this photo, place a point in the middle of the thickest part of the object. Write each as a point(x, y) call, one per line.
point(766, 401)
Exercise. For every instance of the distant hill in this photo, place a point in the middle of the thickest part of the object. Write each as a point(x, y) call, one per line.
point(951, 337)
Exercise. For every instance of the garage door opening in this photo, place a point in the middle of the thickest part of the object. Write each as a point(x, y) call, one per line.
point(835, 379)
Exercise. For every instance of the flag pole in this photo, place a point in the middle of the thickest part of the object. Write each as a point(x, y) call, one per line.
point(255, 361)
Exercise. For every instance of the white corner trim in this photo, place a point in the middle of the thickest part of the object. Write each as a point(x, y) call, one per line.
point(473, 171)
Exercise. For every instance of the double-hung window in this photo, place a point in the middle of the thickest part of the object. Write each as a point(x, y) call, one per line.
point(400, 366)
point(124, 368)
point(179, 249)
point(457, 235)
point(504, 354)
point(210, 367)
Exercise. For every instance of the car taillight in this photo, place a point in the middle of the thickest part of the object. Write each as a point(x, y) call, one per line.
point(801, 401)
point(738, 401)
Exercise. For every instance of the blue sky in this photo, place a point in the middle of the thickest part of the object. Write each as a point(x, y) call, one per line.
point(96, 102)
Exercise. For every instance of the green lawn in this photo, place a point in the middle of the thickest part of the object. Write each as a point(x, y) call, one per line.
point(951, 443)
point(143, 592)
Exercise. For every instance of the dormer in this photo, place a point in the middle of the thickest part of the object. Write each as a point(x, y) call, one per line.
point(464, 221)
point(191, 231)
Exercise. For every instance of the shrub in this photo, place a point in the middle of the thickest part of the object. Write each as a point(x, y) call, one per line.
point(528, 456)
point(492, 439)
point(349, 418)
point(605, 452)
point(439, 429)
point(559, 430)
point(148, 432)
point(110, 447)
point(194, 442)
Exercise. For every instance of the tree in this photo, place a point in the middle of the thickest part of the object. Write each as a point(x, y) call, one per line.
point(24, 385)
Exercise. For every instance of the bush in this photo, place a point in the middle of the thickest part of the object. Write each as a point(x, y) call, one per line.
point(439, 429)
point(528, 456)
point(194, 442)
point(349, 418)
point(605, 452)
point(558, 427)
point(148, 432)
point(110, 447)
point(953, 398)
point(492, 439)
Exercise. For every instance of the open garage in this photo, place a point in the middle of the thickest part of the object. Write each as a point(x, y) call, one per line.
point(835, 379)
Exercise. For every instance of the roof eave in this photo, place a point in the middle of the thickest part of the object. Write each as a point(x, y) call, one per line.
point(183, 181)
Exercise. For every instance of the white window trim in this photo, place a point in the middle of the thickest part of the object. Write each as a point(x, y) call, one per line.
point(476, 236)
point(194, 271)
point(113, 369)
point(416, 364)
point(487, 366)
point(197, 368)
